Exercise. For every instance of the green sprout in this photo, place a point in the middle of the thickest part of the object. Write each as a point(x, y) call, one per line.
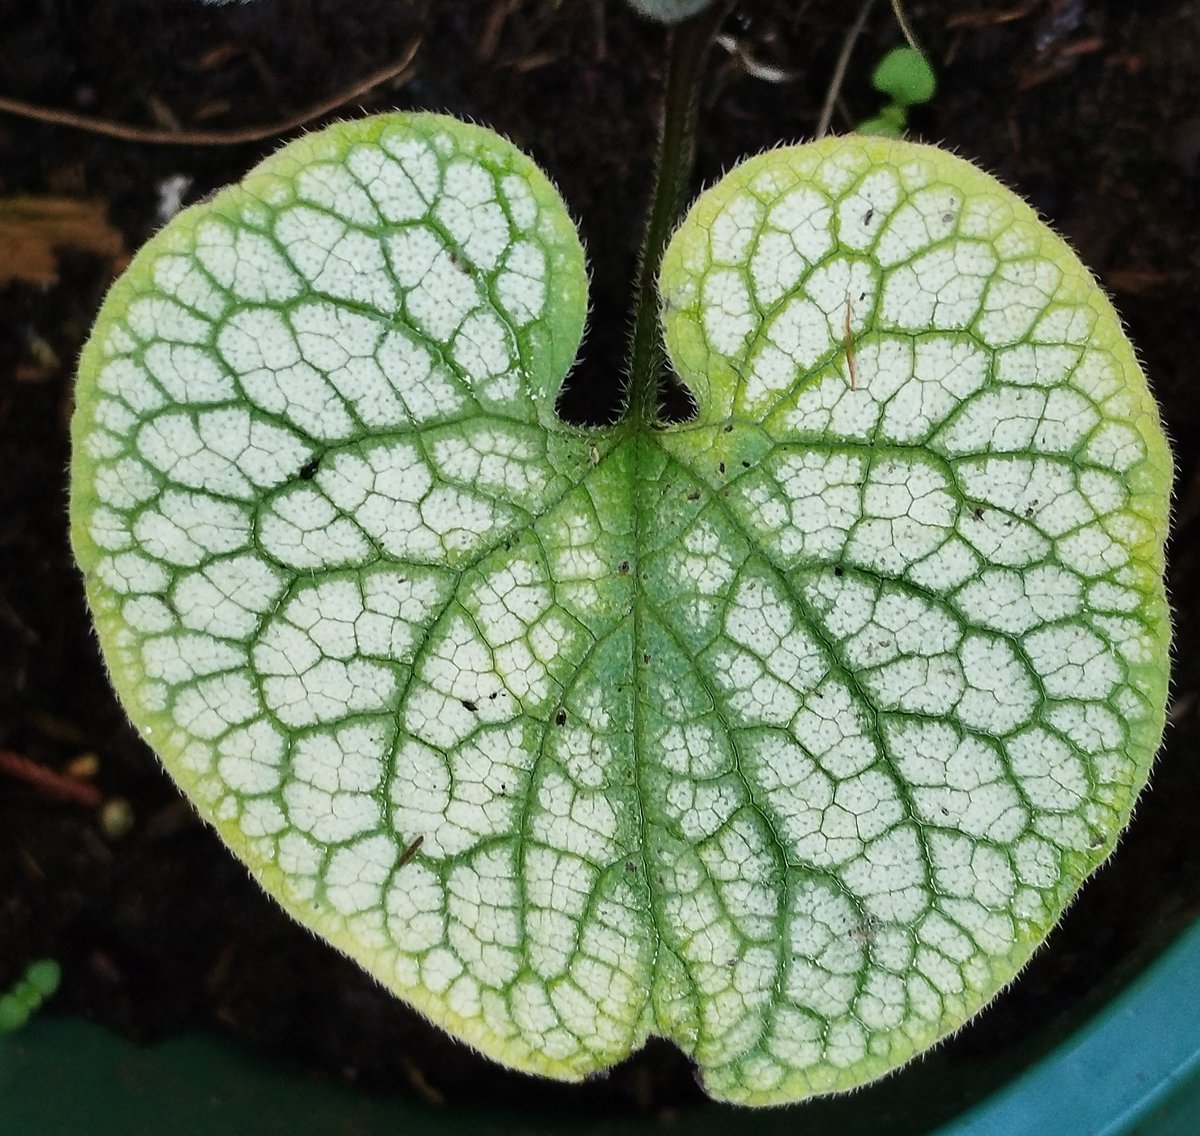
point(39, 982)
point(906, 77)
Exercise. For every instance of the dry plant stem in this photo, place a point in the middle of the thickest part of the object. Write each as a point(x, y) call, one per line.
point(993, 18)
point(396, 70)
point(839, 71)
point(410, 851)
point(905, 27)
point(49, 782)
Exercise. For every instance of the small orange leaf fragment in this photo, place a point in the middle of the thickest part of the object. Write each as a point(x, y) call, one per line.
point(32, 229)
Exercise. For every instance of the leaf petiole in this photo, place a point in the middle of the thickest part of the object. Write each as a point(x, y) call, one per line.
point(688, 49)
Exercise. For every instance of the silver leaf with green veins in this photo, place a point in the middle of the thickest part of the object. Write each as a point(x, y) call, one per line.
point(785, 733)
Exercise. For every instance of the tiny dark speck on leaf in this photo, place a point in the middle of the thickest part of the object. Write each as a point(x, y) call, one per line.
point(694, 495)
point(560, 717)
point(720, 467)
point(745, 464)
point(728, 427)
point(978, 511)
point(623, 568)
point(645, 656)
point(630, 866)
point(839, 571)
point(309, 469)
point(469, 705)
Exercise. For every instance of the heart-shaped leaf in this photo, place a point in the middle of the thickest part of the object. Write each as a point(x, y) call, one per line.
point(786, 732)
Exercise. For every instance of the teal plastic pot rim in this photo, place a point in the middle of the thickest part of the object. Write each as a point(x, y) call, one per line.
point(1132, 1069)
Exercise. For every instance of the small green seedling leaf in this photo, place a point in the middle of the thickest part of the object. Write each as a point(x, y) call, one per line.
point(785, 733)
point(44, 976)
point(905, 76)
point(39, 982)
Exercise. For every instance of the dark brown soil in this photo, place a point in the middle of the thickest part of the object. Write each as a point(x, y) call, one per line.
point(1090, 107)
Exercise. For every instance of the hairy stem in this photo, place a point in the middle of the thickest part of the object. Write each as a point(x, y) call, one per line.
point(689, 45)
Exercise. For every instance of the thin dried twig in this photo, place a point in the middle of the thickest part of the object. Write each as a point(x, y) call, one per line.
point(493, 26)
point(993, 17)
point(905, 27)
point(848, 342)
point(839, 71)
point(753, 67)
point(127, 133)
point(410, 851)
point(49, 782)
